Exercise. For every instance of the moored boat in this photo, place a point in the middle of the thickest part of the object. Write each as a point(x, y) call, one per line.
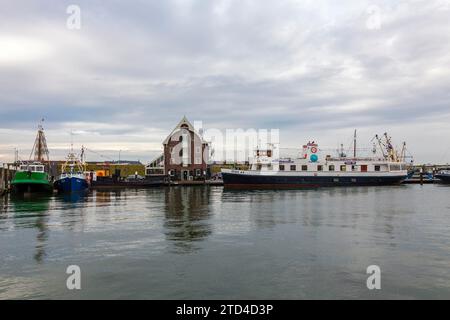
point(31, 177)
point(72, 178)
point(310, 170)
point(443, 176)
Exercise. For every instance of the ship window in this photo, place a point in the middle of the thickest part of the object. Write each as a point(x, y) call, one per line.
point(281, 167)
point(293, 168)
point(269, 153)
point(304, 168)
point(319, 168)
point(377, 168)
point(198, 172)
point(258, 167)
point(39, 169)
point(344, 168)
point(331, 168)
point(354, 168)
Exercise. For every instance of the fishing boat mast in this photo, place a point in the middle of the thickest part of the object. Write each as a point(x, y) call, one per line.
point(40, 149)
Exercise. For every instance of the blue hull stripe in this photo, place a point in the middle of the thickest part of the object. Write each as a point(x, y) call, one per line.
point(240, 180)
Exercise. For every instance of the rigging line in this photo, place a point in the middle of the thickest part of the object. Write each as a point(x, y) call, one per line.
point(106, 157)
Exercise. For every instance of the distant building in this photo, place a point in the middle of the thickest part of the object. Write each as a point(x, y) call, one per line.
point(185, 155)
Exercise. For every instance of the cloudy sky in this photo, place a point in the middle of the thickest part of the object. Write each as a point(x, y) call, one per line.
point(313, 69)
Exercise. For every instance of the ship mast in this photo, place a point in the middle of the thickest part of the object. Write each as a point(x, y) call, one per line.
point(354, 145)
point(40, 149)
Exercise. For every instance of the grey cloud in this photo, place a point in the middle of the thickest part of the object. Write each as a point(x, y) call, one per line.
point(301, 66)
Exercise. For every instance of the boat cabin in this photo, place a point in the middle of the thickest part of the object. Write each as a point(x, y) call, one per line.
point(34, 167)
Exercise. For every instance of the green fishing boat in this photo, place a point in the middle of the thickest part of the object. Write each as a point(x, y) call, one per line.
point(32, 176)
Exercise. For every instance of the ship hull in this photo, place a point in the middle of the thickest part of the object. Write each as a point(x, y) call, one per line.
point(32, 188)
point(261, 181)
point(31, 182)
point(444, 178)
point(71, 184)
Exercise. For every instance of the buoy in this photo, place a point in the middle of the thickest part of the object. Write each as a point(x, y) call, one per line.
point(314, 158)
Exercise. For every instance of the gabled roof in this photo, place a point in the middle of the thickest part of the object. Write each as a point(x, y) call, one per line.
point(184, 122)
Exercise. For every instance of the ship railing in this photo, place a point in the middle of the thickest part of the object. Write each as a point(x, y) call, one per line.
point(356, 159)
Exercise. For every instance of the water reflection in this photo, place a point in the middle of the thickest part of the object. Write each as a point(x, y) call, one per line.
point(74, 197)
point(204, 242)
point(330, 207)
point(186, 216)
point(31, 211)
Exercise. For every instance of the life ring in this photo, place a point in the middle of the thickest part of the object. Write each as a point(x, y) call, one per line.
point(314, 150)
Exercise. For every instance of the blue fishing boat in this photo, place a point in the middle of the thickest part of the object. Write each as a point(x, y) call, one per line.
point(72, 178)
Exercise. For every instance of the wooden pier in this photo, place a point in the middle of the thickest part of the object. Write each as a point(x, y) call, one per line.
point(6, 175)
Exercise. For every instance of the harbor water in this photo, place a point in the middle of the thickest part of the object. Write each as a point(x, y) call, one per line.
point(210, 243)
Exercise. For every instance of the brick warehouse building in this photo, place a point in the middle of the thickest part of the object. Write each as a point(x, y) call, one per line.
point(185, 156)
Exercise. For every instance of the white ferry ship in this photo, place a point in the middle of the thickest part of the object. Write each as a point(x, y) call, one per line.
point(310, 170)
